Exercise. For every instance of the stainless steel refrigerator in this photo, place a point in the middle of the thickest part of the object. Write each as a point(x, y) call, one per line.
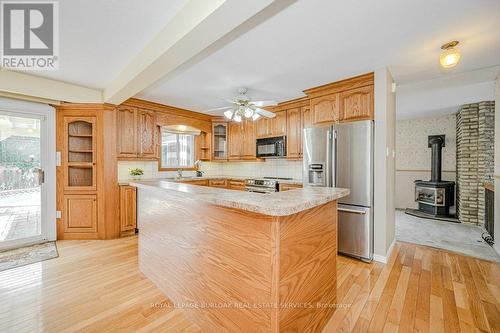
point(342, 156)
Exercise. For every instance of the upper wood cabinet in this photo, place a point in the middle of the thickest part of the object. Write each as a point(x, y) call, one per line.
point(147, 133)
point(235, 140)
point(219, 141)
point(79, 153)
point(356, 104)
point(325, 109)
point(270, 127)
point(127, 131)
point(307, 119)
point(294, 133)
point(248, 150)
point(137, 134)
point(241, 140)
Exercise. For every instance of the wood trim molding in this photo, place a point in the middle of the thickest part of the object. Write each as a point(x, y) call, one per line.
point(343, 85)
point(135, 102)
point(291, 104)
point(423, 170)
point(489, 186)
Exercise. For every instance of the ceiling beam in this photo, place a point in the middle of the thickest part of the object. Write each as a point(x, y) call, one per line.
point(198, 25)
point(21, 84)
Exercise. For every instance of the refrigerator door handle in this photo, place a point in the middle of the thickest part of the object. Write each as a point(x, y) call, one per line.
point(328, 170)
point(334, 144)
point(346, 210)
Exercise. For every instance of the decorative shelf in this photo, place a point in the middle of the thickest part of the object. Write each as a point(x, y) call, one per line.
point(81, 164)
point(81, 135)
point(81, 151)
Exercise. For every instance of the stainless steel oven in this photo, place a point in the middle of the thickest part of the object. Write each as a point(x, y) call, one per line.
point(261, 185)
point(271, 147)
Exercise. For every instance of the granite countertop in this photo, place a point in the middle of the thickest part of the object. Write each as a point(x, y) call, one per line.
point(186, 179)
point(273, 204)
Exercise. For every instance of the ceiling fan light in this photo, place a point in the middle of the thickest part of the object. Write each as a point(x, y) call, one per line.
point(248, 113)
point(228, 114)
point(237, 118)
point(255, 116)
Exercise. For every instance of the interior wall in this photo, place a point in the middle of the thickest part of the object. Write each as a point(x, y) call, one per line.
point(413, 157)
point(384, 164)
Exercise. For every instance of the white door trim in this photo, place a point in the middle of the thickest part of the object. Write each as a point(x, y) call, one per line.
point(47, 115)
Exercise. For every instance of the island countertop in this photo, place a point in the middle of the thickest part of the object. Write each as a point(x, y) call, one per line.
point(272, 204)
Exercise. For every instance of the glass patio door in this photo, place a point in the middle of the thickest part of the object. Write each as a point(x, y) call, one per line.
point(21, 179)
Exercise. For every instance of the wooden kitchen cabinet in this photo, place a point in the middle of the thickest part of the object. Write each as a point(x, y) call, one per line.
point(356, 104)
point(137, 134)
point(288, 187)
point(325, 109)
point(219, 141)
point(234, 184)
point(87, 190)
point(235, 139)
point(294, 133)
point(79, 153)
point(199, 182)
point(241, 140)
point(248, 150)
point(128, 210)
point(127, 131)
point(80, 214)
point(222, 183)
point(147, 134)
point(307, 119)
point(270, 127)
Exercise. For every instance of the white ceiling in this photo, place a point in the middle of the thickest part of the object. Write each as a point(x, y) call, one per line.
point(444, 95)
point(313, 42)
point(98, 38)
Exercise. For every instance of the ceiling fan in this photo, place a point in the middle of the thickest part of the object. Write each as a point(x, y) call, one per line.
point(242, 107)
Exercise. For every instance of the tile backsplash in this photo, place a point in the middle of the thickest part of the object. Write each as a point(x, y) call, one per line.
point(269, 168)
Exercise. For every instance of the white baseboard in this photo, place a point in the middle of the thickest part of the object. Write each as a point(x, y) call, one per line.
point(384, 259)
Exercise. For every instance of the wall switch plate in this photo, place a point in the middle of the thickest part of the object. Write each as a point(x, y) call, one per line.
point(58, 214)
point(58, 158)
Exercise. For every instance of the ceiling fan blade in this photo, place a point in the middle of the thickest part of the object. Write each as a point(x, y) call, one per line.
point(220, 109)
point(264, 103)
point(265, 113)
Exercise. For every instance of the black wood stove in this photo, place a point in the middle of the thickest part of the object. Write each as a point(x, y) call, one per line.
point(435, 197)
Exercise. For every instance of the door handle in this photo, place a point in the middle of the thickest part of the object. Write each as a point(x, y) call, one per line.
point(41, 176)
point(346, 210)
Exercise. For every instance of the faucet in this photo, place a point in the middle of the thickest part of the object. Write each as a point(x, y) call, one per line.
point(179, 173)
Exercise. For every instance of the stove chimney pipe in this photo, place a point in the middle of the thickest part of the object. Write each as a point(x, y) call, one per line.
point(436, 143)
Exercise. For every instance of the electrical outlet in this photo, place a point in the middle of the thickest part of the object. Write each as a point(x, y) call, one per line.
point(58, 158)
point(58, 214)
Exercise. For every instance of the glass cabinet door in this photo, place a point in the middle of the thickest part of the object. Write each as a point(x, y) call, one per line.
point(220, 141)
point(80, 153)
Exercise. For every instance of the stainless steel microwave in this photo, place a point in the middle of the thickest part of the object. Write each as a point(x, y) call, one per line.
point(271, 147)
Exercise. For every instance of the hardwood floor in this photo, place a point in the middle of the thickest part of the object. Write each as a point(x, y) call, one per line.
point(95, 286)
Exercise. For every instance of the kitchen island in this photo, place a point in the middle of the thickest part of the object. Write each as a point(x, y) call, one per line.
point(240, 261)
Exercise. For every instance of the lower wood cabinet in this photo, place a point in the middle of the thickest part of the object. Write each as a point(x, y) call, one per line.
point(222, 183)
point(288, 187)
point(201, 182)
point(80, 213)
point(236, 185)
point(128, 210)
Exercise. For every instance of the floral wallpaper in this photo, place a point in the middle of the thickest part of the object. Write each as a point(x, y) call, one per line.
point(412, 152)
